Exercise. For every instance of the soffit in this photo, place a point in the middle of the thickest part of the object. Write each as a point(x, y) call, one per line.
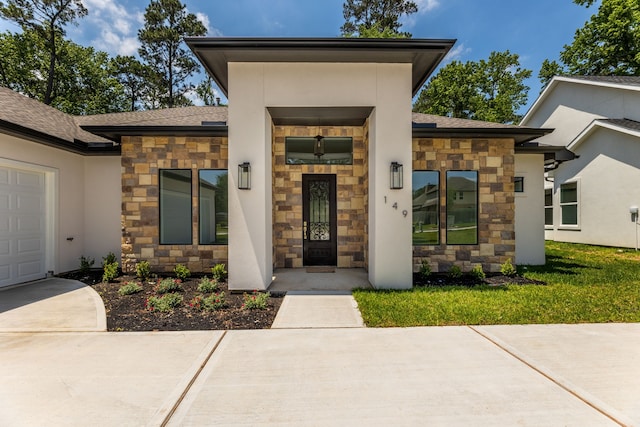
point(216, 53)
point(319, 116)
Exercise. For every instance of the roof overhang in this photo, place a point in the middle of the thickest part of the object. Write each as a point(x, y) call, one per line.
point(520, 135)
point(319, 116)
point(115, 133)
point(554, 155)
point(216, 53)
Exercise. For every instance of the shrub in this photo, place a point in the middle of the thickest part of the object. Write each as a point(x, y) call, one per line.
point(210, 303)
point(207, 285)
point(219, 273)
point(425, 269)
point(109, 259)
point(165, 286)
point(130, 288)
point(109, 271)
point(455, 272)
point(86, 263)
point(143, 270)
point(164, 303)
point(181, 272)
point(256, 300)
point(477, 272)
point(508, 269)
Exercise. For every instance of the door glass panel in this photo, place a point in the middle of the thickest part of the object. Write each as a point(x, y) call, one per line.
point(319, 223)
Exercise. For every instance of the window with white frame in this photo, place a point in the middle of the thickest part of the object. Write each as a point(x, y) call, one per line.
point(548, 207)
point(569, 203)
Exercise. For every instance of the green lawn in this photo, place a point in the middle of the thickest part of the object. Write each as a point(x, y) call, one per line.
point(584, 284)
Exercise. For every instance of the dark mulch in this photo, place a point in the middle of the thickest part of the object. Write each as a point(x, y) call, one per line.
point(443, 279)
point(129, 313)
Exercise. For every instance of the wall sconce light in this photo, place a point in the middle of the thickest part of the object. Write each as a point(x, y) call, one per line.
point(244, 176)
point(396, 176)
point(318, 146)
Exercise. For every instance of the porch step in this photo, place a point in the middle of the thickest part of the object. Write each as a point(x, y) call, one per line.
point(318, 309)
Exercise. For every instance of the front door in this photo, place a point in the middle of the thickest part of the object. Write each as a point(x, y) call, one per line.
point(320, 244)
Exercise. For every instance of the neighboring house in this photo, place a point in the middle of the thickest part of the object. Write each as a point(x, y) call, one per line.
point(588, 200)
point(312, 163)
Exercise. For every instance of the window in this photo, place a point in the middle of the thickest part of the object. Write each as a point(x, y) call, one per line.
point(548, 206)
point(518, 184)
point(213, 213)
point(175, 207)
point(462, 207)
point(569, 203)
point(327, 151)
point(426, 196)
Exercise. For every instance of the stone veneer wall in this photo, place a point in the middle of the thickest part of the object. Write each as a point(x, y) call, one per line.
point(142, 158)
point(494, 161)
point(352, 198)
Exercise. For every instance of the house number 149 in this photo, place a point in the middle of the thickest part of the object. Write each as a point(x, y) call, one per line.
point(395, 206)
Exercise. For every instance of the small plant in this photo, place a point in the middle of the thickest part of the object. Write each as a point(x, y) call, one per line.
point(130, 288)
point(109, 271)
point(255, 300)
point(164, 303)
point(143, 270)
point(508, 269)
point(210, 303)
point(425, 269)
point(109, 259)
point(86, 263)
point(219, 273)
point(165, 286)
point(455, 272)
point(477, 272)
point(207, 285)
point(181, 272)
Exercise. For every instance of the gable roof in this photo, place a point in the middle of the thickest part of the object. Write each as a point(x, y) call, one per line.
point(626, 126)
point(31, 119)
point(619, 82)
point(215, 53)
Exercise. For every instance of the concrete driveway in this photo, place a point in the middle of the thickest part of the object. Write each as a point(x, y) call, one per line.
point(582, 375)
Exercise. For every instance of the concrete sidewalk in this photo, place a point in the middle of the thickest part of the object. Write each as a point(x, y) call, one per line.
point(318, 309)
point(582, 375)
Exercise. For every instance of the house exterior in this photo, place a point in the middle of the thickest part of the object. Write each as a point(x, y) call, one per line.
point(318, 160)
point(588, 200)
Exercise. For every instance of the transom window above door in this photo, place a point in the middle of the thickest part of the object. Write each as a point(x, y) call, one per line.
point(319, 150)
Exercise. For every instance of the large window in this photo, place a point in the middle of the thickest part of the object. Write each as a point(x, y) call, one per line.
point(212, 191)
point(328, 151)
point(548, 207)
point(462, 207)
point(175, 207)
point(426, 196)
point(569, 203)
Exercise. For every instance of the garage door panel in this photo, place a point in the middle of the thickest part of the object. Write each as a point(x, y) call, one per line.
point(22, 225)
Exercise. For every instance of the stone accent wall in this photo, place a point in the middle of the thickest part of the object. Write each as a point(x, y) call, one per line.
point(352, 198)
point(142, 158)
point(494, 161)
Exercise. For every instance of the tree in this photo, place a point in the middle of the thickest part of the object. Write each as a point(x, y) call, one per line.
point(382, 16)
point(489, 90)
point(132, 75)
point(47, 19)
point(84, 83)
point(608, 44)
point(166, 24)
point(206, 92)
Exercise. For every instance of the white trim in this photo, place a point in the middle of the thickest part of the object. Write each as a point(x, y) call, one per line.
point(575, 227)
point(599, 123)
point(51, 206)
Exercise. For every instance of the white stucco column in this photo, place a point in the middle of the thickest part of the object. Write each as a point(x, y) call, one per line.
point(250, 211)
point(390, 248)
point(529, 205)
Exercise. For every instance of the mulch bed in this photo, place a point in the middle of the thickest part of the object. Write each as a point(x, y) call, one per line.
point(129, 312)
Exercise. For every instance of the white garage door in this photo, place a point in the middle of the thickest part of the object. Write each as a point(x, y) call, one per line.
point(22, 226)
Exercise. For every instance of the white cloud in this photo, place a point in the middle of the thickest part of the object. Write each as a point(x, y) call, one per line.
point(117, 27)
point(204, 19)
point(426, 5)
point(456, 53)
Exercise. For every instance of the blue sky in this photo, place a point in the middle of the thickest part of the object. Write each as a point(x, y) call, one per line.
point(534, 29)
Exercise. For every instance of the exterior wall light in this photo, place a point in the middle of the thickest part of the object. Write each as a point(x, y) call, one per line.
point(244, 176)
point(396, 176)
